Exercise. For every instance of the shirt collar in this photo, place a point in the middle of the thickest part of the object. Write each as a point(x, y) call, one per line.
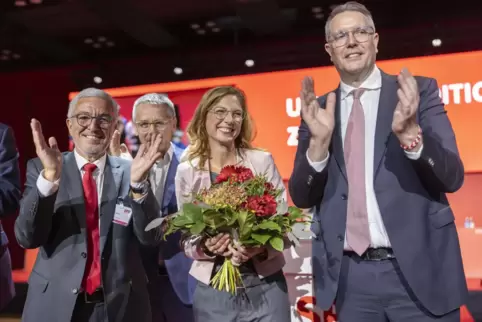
point(81, 161)
point(373, 82)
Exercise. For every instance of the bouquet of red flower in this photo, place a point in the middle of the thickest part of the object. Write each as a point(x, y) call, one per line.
point(246, 206)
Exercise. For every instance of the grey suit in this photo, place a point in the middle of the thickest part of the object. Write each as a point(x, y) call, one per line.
point(56, 224)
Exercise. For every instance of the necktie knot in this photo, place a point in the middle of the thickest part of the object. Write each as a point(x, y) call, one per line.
point(357, 93)
point(89, 167)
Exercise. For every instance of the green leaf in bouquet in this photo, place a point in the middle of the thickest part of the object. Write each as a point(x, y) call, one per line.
point(295, 213)
point(197, 228)
point(262, 238)
point(268, 225)
point(277, 243)
point(182, 221)
point(232, 217)
point(246, 222)
point(192, 211)
point(215, 219)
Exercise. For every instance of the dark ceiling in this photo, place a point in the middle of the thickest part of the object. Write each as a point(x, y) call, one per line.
point(209, 38)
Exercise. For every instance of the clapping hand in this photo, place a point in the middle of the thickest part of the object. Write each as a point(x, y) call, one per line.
point(404, 124)
point(115, 147)
point(147, 155)
point(49, 155)
point(320, 121)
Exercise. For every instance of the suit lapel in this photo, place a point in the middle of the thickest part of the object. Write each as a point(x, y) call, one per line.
point(386, 106)
point(113, 174)
point(170, 186)
point(74, 188)
point(337, 143)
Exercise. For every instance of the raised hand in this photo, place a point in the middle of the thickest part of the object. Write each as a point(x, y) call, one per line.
point(49, 155)
point(404, 124)
point(147, 155)
point(320, 121)
point(115, 147)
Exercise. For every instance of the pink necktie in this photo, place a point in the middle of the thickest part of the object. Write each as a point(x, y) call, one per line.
point(357, 232)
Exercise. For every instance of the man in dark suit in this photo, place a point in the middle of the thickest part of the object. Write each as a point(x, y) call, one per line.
point(87, 213)
point(170, 285)
point(10, 194)
point(376, 159)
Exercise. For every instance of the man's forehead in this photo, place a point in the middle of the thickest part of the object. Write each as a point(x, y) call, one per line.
point(93, 103)
point(150, 110)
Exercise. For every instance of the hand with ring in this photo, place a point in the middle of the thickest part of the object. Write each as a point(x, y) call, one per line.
point(218, 245)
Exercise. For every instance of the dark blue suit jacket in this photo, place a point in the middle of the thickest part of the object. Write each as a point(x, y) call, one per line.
point(410, 194)
point(10, 194)
point(176, 262)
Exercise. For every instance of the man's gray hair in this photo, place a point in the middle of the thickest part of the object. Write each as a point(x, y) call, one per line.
point(93, 92)
point(348, 6)
point(154, 99)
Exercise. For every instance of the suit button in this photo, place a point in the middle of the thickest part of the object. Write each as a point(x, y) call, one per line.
point(75, 291)
point(340, 238)
point(343, 196)
point(310, 179)
point(83, 254)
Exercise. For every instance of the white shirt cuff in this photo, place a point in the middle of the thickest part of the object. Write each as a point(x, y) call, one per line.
point(320, 165)
point(46, 188)
point(414, 155)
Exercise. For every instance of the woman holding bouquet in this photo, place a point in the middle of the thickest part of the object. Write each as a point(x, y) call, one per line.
point(220, 135)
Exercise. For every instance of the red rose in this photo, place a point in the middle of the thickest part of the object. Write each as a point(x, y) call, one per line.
point(234, 174)
point(262, 205)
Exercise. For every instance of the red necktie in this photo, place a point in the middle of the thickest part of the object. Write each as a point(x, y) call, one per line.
point(91, 280)
point(357, 231)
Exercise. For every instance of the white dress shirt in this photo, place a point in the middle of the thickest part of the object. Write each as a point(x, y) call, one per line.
point(369, 101)
point(158, 175)
point(47, 188)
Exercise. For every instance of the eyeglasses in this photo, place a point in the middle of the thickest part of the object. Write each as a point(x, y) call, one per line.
point(221, 114)
point(144, 126)
point(361, 35)
point(85, 120)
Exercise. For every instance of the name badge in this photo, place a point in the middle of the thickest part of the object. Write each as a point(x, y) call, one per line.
point(122, 215)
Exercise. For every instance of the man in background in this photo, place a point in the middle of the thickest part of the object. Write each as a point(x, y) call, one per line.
point(10, 194)
point(170, 285)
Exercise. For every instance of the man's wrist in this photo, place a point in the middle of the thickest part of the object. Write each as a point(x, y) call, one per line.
point(317, 150)
point(51, 176)
point(411, 138)
point(140, 187)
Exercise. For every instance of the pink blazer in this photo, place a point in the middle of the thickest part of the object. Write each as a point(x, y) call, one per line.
point(190, 179)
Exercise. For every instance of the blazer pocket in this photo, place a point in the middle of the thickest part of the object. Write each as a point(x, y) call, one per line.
point(37, 282)
point(442, 218)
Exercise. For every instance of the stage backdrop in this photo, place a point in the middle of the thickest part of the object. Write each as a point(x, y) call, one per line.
point(274, 104)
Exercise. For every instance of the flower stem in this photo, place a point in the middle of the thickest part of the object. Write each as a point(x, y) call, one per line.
point(228, 278)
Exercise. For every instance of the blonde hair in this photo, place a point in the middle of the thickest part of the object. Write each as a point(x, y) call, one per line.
point(196, 130)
